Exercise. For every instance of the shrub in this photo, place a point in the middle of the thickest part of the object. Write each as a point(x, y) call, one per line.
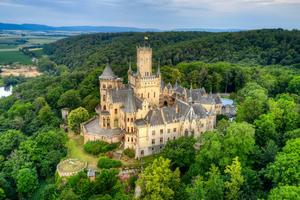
point(97, 147)
point(129, 152)
point(107, 163)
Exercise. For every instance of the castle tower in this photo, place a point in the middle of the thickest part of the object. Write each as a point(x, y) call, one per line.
point(145, 84)
point(144, 61)
point(107, 80)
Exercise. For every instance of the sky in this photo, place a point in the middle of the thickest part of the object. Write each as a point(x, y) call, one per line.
point(162, 14)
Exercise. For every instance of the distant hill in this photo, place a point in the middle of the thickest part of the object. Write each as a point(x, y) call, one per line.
point(257, 47)
point(38, 27)
point(102, 29)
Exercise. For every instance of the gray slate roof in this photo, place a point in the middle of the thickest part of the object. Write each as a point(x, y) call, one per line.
point(92, 127)
point(164, 115)
point(107, 73)
point(126, 97)
point(129, 106)
point(154, 117)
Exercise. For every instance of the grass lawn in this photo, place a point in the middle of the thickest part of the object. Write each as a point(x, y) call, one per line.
point(147, 160)
point(75, 150)
point(8, 57)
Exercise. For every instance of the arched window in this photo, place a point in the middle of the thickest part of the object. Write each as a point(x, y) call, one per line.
point(116, 123)
point(186, 132)
point(165, 103)
point(193, 132)
point(104, 107)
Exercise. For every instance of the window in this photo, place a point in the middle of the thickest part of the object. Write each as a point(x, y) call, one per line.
point(153, 141)
point(116, 111)
point(148, 95)
point(104, 122)
point(131, 139)
point(169, 130)
point(154, 94)
point(186, 132)
point(127, 119)
point(131, 119)
point(131, 129)
point(128, 139)
point(161, 140)
point(104, 86)
point(161, 131)
point(104, 107)
point(142, 152)
point(116, 122)
point(153, 132)
point(174, 138)
point(174, 130)
point(104, 97)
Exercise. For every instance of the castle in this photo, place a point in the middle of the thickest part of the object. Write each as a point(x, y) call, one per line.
point(146, 113)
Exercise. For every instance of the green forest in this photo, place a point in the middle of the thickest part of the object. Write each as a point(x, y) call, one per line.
point(255, 157)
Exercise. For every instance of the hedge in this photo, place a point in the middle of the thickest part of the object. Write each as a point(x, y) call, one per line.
point(107, 163)
point(129, 152)
point(97, 147)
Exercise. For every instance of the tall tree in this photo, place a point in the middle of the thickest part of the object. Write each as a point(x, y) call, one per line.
point(285, 192)
point(27, 181)
point(236, 179)
point(265, 129)
point(286, 169)
point(76, 117)
point(181, 152)
point(214, 186)
point(238, 141)
point(70, 99)
point(157, 181)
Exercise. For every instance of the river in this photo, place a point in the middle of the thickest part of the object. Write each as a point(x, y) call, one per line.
point(5, 91)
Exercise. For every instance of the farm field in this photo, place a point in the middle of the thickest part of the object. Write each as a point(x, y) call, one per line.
point(10, 45)
point(9, 57)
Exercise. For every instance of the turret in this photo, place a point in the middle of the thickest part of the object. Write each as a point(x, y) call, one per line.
point(144, 61)
point(191, 95)
point(108, 80)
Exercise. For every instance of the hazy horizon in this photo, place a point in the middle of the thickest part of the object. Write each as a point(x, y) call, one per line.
point(160, 14)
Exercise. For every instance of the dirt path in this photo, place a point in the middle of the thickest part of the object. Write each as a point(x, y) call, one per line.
point(20, 71)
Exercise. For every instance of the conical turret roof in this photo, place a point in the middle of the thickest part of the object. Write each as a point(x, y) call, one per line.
point(107, 73)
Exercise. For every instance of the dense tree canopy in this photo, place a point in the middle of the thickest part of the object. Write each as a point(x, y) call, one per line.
point(158, 182)
point(259, 69)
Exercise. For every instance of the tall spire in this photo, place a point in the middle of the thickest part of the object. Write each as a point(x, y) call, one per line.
point(176, 84)
point(191, 94)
